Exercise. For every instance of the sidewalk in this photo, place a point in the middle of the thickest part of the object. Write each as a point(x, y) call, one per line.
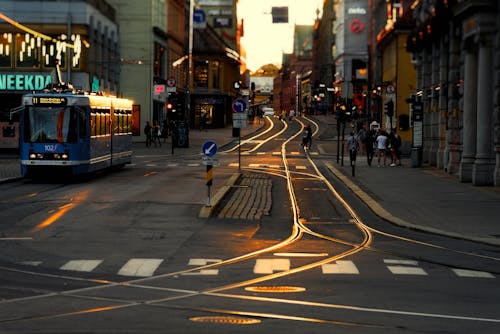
point(423, 198)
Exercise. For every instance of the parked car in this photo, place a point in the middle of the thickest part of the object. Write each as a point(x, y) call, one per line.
point(268, 111)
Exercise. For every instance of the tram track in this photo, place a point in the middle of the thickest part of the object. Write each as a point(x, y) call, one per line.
point(300, 227)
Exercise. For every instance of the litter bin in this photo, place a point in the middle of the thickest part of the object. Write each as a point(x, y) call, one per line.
point(416, 157)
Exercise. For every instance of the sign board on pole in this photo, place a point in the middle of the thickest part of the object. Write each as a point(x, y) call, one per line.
point(239, 105)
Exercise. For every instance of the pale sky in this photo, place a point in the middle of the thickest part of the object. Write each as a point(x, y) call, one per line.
point(264, 41)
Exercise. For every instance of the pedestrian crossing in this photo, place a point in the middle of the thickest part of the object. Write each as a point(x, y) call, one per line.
point(147, 267)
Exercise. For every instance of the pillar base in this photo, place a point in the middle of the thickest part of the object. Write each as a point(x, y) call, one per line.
point(482, 172)
point(465, 170)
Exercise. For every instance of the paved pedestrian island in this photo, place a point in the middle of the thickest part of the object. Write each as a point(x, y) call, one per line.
point(249, 198)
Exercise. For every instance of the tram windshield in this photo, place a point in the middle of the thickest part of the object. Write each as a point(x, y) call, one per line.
point(50, 125)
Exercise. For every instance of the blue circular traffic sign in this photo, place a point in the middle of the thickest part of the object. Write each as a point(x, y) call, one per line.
point(239, 105)
point(209, 148)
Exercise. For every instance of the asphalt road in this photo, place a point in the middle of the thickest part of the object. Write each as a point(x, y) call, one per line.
point(126, 252)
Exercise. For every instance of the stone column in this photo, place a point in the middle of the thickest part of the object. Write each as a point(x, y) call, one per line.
point(484, 163)
point(426, 91)
point(453, 132)
point(469, 123)
point(442, 158)
point(496, 101)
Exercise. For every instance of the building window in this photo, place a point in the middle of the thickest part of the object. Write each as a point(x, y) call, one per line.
point(215, 74)
point(27, 51)
point(201, 74)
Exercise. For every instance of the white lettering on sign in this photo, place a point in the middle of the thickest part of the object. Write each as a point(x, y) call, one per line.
point(356, 10)
point(24, 81)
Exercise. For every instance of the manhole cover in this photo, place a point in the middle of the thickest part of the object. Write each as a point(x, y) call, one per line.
point(272, 289)
point(226, 320)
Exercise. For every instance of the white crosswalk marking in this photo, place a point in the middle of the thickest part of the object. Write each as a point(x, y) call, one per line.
point(193, 165)
point(269, 266)
point(234, 164)
point(203, 272)
point(340, 267)
point(472, 273)
point(406, 267)
point(254, 165)
point(81, 265)
point(140, 267)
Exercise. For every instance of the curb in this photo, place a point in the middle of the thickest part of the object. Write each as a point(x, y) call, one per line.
point(206, 211)
point(386, 215)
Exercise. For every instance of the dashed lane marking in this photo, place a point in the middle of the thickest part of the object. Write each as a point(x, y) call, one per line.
point(81, 265)
point(140, 267)
point(472, 273)
point(340, 267)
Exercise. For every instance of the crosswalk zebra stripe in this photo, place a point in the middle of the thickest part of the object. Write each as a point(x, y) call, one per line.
point(340, 267)
point(81, 265)
point(140, 267)
point(402, 270)
point(472, 273)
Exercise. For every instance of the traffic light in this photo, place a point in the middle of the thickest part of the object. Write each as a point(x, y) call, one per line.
point(389, 108)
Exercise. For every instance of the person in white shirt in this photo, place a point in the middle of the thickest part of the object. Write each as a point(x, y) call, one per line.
point(381, 142)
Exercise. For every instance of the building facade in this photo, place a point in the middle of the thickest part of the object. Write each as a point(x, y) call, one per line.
point(82, 36)
point(455, 49)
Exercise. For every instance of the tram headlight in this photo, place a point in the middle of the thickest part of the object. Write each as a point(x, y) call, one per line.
point(57, 156)
point(65, 156)
point(39, 155)
point(32, 156)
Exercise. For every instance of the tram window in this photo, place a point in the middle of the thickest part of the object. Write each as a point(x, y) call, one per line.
point(108, 124)
point(82, 122)
point(93, 121)
point(116, 125)
point(98, 124)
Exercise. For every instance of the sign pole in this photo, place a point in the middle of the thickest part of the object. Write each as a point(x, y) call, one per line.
point(208, 178)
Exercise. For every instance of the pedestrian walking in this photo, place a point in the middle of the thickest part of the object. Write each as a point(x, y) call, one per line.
point(395, 141)
point(307, 136)
point(148, 133)
point(156, 133)
point(369, 146)
point(381, 143)
point(164, 130)
point(352, 145)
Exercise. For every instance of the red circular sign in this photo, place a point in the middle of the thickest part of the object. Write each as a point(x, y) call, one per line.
point(356, 26)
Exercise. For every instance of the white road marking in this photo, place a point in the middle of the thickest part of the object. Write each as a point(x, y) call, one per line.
point(269, 266)
point(340, 267)
point(405, 262)
point(203, 272)
point(472, 273)
point(276, 153)
point(300, 167)
point(193, 165)
point(301, 254)
point(234, 164)
point(407, 267)
point(254, 165)
point(31, 263)
point(81, 265)
point(140, 267)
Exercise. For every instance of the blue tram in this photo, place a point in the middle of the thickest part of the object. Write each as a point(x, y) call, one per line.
point(74, 133)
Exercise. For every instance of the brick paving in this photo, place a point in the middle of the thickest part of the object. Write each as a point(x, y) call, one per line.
point(249, 199)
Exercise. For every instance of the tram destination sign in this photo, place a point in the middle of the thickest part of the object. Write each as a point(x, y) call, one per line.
point(49, 100)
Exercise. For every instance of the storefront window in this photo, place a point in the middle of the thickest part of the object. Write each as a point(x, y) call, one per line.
point(201, 74)
point(6, 50)
point(27, 51)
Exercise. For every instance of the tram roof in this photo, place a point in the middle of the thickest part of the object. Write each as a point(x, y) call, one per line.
point(99, 101)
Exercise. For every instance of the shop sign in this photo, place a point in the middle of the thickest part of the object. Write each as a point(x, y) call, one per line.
point(24, 82)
